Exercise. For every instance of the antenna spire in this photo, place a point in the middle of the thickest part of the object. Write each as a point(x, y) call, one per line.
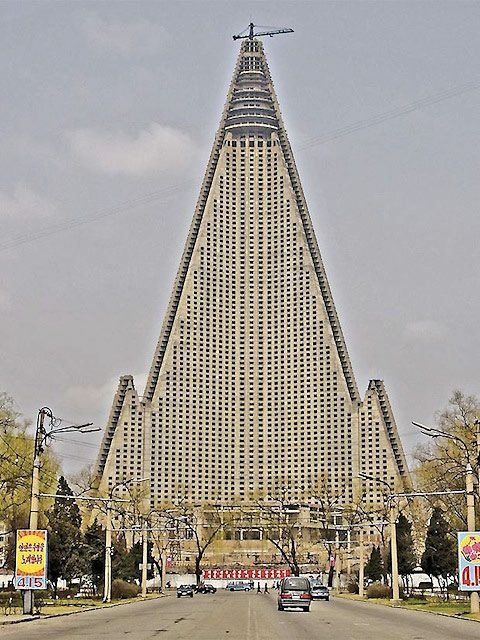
point(250, 33)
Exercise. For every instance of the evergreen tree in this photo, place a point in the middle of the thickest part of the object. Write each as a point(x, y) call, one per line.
point(405, 550)
point(93, 554)
point(125, 564)
point(440, 556)
point(64, 522)
point(374, 568)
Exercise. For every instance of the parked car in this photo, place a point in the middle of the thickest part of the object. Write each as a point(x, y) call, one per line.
point(239, 586)
point(294, 593)
point(206, 588)
point(185, 590)
point(319, 591)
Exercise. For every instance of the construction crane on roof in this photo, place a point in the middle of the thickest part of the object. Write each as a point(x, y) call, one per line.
point(250, 33)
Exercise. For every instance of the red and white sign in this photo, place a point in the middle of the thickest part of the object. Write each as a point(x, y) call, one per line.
point(469, 560)
point(245, 574)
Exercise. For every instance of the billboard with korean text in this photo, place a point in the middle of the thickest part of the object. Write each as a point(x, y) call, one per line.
point(469, 560)
point(31, 559)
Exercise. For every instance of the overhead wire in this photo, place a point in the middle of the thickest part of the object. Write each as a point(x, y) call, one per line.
point(171, 189)
point(79, 442)
point(92, 217)
point(391, 114)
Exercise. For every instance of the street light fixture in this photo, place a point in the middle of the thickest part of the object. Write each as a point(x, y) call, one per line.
point(433, 432)
point(42, 436)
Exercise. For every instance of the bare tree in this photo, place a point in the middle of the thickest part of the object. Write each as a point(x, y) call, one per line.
point(442, 462)
point(200, 525)
point(279, 520)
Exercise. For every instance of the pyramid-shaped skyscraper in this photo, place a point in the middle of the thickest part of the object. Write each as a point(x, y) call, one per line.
point(251, 388)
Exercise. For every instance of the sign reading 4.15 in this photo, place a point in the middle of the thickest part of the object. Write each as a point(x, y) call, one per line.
point(469, 560)
point(31, 559)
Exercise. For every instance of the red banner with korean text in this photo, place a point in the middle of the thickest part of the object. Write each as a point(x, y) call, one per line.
point(245, 574)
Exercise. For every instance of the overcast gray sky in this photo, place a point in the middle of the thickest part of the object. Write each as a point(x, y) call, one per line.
point(107, 114)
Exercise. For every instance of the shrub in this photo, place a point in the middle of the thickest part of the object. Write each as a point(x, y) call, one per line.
point(352, 587)
point(378, 590)
point(122, 589)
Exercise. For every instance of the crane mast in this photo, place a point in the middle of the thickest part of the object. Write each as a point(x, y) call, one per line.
point(269, 31)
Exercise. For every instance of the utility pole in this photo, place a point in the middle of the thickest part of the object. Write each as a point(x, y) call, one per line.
point(41, 439)
point(394, 553)
point(107, 588)
point(164, 569)
point(40, 433)
point(361, 570)
point(144, 558)
point(337, 561)
point(349, 553)
point(474, 600)
point(393, 534)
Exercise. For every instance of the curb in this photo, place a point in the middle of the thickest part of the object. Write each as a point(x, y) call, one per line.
point(82, 610)
point(455, 616)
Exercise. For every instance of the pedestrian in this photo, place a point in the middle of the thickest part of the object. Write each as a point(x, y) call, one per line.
point(258, 588)
point(266, 587)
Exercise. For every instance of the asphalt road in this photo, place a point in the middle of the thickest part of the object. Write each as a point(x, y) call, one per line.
point(244, 616)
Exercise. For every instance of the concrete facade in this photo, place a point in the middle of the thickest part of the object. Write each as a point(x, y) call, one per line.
point(251, 391)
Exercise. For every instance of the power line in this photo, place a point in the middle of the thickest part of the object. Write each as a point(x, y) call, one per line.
point(391, 114)
point(92, 217)
point(161, 193)
point(79, 442)
point(72, 456)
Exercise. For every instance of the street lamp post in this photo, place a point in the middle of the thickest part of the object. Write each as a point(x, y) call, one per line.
point(107, 577)
point(144, 558)
point(394, 552)
point(437, 433)
point(107, 589)
point(361, 571)
point(393, 535)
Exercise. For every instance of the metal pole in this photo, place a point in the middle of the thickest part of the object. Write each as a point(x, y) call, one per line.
point(474, 600)
point(393, 547)
point(477, 427)
point(361, 571)
point(144, 559)
point(107, 589)
point(164, 568)
point(337, 562)
point(349, 554)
